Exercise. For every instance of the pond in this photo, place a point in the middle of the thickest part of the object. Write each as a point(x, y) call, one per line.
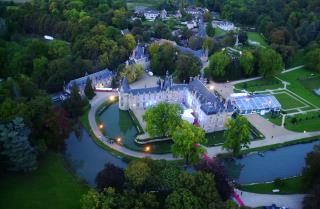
point(118, 123)
point(86, 158)
point(265, 167)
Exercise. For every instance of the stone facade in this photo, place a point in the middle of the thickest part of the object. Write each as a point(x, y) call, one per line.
point(208, 108)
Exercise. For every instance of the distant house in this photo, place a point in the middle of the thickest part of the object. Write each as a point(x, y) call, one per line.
point(151, 15)
point(190, 24)
point(125, 31)
point(101, 79)
point(224, 25)
point(139, 56)
point(196, 11)
point(163, 14)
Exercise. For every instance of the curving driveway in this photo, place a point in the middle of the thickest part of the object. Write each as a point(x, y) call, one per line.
point(95, 103)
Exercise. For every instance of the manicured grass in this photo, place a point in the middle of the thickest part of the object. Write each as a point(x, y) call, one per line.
point(305, 122)
point(219, 32)
point(292, 185)
point(254, 36)
point(287, 101)
point(275, 120)
point(311, 83)
point(133, 4)
point(296, 86)
point(260, 85)
point(52, 186)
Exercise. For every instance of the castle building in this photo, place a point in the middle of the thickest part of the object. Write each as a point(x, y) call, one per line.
point(101, 79)
point(209, 109)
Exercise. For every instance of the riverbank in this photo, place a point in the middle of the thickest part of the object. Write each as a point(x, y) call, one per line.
point(293, 185)
point(52, 186)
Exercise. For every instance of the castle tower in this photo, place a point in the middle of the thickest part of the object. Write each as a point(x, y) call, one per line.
point(124, 94)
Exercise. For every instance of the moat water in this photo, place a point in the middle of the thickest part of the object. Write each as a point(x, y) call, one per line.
point(266, 166)
point(86, 158)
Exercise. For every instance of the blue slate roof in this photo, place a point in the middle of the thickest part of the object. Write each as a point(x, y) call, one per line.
point(197, 53)
point(139, 52)
point(210, 103)
point(125, 85)
point(103, 74)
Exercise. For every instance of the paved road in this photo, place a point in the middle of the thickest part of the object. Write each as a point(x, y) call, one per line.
point(96, 102)
point(257, 200)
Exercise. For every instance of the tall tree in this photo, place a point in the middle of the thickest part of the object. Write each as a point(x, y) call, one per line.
point(137, 173)
point(110, 176)
point(187, 66)
point(162, 119)
point(313, 60)
point(182, 199)
point(186, 142)
point(88, 90)
point(16, 146)
point(237, 134)
point(218, 64)
point(270, 62)
point(247, 61)
point(75, 104)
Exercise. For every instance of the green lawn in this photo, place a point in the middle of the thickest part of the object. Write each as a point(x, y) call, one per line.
point(305, 122)
point(254, 36)
point(287, 101)
point(52, 186)
point(296, 86)
point(311, 83)
point(260, 85)
point(290, 186)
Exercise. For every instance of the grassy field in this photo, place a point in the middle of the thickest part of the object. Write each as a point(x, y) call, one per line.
point(289, 186)
point(52, 186)
point(296, 86)
point(287, 101)
point(305, 122)
point(254, 36)
point(260, 85)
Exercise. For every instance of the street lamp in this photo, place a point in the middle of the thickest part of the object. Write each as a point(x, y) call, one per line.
point(118, 140)
point(101, 126)
point(211, 88)
point(147, 148)
point(112, 98)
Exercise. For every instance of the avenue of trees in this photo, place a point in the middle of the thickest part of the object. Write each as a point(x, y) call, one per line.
point(148, 184)
point(166, 57)
point(265, 62)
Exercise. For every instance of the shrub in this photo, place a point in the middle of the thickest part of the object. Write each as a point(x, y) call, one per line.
point(278, 182)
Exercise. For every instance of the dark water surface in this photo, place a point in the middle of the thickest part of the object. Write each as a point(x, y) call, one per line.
point(279, 163)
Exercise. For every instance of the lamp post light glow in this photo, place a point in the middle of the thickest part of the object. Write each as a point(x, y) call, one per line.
point(101, 126)
point(211, 88)
point(112, 98)
point(118, 140)
point(147, 148)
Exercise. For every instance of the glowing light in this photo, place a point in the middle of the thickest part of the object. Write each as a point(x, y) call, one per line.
point(112, 98)
point(101, 126)
point(211, 88)
point(118, 139)
point(147, 148)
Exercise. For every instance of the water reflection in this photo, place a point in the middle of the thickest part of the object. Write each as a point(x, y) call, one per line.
point(279, 163)
point(86, 158)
